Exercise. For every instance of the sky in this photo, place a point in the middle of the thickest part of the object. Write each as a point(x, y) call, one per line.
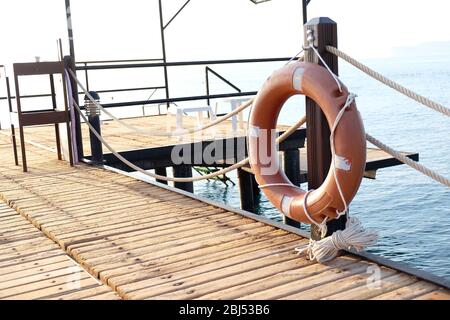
point(213, 29)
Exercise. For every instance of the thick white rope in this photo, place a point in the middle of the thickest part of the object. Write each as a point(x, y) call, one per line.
point(413, 164)
point(160, 132)
point(354, 235)
point(335, 77)
point(235, 166)
point(390, 83)
point(425, 101)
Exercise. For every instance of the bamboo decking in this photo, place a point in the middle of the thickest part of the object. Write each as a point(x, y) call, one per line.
point(146, 241)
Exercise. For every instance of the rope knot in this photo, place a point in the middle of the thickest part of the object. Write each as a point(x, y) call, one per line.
point(354, 236)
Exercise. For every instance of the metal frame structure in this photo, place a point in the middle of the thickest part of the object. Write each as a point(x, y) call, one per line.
point(87, 66)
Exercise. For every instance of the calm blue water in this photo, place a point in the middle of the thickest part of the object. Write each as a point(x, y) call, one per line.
point(410, 211)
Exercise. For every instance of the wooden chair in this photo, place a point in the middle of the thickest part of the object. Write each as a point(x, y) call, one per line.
point(46, 116)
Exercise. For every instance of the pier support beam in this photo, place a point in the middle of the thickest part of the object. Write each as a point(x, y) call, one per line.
point(183, 171)
point(324, 31)
point(291, 161)
point(93, 114)
point(96, 145)
point(162, 171)
point(246, 190)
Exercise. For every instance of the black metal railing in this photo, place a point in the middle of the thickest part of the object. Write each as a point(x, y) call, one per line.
point(89, 66)
point(208, 70)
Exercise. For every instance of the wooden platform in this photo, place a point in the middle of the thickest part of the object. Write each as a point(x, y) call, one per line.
point(147, 241)
point(34, 267)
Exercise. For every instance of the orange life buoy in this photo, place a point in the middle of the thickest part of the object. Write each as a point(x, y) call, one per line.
point(348, 166)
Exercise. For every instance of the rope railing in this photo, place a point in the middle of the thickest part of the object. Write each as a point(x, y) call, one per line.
point(182, 132)
point(409, 93)
point(390, 83)
point(235, 166)
point(159, 132)
point(413, 164)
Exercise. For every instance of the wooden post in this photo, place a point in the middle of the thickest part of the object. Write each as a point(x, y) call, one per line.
point(317, 129)
point(162, 171)
point(183, 171)
point(256, 190)
point(291, 162)
point(69, 63)
point(246, 191)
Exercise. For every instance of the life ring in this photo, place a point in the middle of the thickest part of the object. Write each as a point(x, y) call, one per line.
point(318, 84)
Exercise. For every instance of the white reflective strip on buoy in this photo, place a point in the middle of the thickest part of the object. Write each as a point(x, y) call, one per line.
point(253, 131)
point(286, 205)
point(297, 78)
point(342, 163)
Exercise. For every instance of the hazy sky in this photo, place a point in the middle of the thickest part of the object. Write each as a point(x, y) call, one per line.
point(213, 29)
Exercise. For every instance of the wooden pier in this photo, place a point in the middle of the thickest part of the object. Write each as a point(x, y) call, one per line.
point(151, 241)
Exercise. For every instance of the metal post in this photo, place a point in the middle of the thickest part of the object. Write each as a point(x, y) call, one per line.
point(13, 131)
point(246, 192)
point(305, 10)
point(207, 86)
point(69, 63)
point(162, 171)
point(58, 138)
point(163, 44)
point(324, 31)
point(69, 29)
point(291, 161)
point(183, 171)
point(93, 114)
point(86, 77)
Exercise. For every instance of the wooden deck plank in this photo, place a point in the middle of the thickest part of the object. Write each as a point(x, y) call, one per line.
point(170, 239)
point(192, 287)
point(199, 270)
point(275, 280)
point(35, 267)
point(86, 293)
point(439, 294)
point(167, 268)
point(388, 284)
point(155, 253)
point(149, 260)
point(303, 279)
point(409, 292)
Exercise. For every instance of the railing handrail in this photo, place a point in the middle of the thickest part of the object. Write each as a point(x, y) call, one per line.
point(178, 99)
point(118, 61)
point(43, 95)
point(179, 63)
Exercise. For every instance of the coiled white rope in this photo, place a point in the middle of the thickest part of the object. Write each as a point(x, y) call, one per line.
point(353, 236)
point(390, 83)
